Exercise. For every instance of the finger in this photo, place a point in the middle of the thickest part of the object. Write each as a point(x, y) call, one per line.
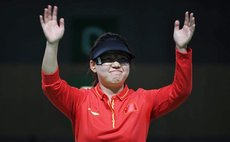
point(192, 19)
point(186, 19)
point(54, 15)
point(192, 22)
point(41, 20)
point(62, 23)
point(193, 25)
point(49, 12)
point(177, 25)
point(45, 15)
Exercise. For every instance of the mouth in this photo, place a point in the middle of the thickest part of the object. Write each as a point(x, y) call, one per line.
point(115, 71)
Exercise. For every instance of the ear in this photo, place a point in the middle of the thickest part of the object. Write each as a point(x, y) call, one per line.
point(92, 66)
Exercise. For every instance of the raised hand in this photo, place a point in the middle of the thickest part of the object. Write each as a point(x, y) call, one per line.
point(183, 36)
point(52, 30)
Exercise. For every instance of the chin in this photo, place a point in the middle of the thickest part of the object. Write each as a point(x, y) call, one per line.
point(117, 83)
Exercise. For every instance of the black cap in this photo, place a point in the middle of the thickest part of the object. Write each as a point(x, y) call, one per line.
point(110, 45)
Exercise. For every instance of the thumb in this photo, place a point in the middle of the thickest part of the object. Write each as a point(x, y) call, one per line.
point(41, 21)
point(177, 25)
point(62, 23)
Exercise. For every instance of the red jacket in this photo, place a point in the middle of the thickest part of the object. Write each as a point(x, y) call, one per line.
point(127, 117)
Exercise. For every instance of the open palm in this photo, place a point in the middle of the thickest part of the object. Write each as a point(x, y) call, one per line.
point(53, 32)
point(183, 36)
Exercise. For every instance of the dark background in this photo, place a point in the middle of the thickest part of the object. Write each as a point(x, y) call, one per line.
point(27, 116)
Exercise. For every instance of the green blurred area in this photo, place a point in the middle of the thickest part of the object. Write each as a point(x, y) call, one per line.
point(85, 32)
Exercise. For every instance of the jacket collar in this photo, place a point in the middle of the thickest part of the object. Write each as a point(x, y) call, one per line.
point(122, 95)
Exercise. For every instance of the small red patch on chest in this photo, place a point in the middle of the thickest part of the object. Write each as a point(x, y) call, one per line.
point(130, 108)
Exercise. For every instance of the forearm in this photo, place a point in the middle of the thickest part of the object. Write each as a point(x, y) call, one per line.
point(170, 97)
point(183, 73)
point(50, 63)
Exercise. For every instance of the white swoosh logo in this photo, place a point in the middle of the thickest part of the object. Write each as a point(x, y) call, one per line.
point(94, 113)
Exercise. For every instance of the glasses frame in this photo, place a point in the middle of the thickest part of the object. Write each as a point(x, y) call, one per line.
point(98, 61)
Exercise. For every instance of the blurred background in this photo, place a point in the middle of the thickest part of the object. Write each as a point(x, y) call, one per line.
point(27, 116)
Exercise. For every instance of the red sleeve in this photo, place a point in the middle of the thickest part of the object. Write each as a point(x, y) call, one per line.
point(61, 94)
point(170, 97)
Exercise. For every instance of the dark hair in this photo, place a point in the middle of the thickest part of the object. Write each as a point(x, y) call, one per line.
point(105, 37)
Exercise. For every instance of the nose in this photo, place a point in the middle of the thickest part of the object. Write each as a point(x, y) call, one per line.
point(116, 64)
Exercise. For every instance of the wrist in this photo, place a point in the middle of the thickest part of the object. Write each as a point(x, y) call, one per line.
point(52, 44)
point(182, 49)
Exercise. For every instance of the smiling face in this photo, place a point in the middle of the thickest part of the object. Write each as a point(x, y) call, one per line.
point(112, 69)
